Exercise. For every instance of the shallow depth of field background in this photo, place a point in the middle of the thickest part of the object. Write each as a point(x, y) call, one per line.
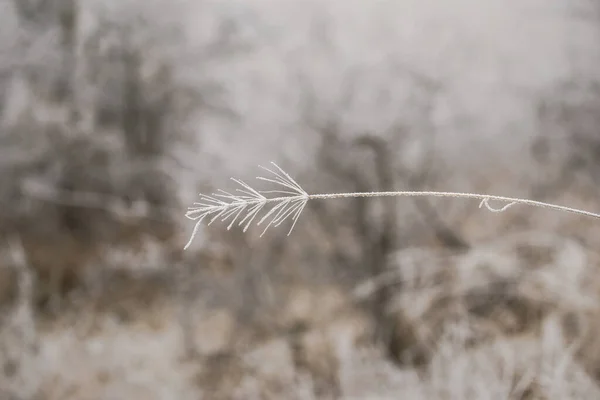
point(115, 114)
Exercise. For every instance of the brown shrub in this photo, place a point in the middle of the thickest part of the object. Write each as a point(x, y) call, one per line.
point(504, 288)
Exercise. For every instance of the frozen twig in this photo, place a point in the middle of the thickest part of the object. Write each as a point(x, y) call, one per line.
point(291, 199)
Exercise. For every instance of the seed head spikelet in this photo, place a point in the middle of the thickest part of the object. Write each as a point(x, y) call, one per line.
point(249, 202)
point(291, 200)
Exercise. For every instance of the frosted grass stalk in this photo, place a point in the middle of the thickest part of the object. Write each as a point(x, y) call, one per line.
point(291, 199)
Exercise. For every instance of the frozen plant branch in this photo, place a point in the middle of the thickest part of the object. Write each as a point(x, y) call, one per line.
point(248, 202)
point(244, 206)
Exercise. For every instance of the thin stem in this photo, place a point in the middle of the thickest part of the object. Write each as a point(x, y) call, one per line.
point(244, 208)
point(483, 197)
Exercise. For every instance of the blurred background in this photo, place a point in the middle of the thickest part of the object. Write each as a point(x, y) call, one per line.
point(115, 114)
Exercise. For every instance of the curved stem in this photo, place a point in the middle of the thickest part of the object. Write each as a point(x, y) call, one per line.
point(485, 198)
point(224, 205)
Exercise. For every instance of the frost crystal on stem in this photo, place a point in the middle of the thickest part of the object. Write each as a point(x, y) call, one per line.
point(246, 204)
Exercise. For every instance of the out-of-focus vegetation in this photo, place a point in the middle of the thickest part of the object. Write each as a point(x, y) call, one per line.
point(114, 114)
